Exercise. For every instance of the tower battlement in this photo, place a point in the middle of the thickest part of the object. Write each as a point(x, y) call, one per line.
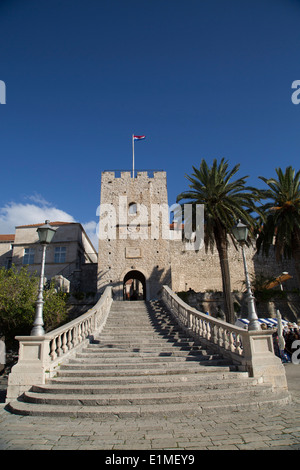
point(139, 174)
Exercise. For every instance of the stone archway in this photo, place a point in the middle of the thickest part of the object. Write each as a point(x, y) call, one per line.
point(134, 286)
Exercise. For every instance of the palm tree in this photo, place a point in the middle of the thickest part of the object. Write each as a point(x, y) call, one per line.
point(225, 201)
point(281, 222)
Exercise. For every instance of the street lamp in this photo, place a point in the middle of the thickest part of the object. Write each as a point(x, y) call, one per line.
point(45, 233)
point(240, 231)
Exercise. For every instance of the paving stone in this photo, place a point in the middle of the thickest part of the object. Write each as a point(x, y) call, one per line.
point(270, 429)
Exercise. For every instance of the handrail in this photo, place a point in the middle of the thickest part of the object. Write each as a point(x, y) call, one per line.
point(39, 356)
point(68, 336)
point(226, 336)
point(251, 351)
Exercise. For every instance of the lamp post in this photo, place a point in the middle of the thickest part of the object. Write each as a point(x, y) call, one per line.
point(45, 233)
point(240, 231)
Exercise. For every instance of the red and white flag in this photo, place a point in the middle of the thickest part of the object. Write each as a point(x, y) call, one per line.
point(139, 137)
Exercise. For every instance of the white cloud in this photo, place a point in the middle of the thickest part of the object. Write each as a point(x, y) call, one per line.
point(38, 199)
point(37, 211)
point(14, 214)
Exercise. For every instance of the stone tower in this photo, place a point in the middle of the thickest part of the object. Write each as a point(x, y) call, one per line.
point(133, 231)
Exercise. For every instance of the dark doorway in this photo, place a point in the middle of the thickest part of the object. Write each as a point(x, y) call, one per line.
point(134, 286)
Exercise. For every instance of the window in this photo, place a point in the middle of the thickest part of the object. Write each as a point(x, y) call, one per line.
point(28, 257)
point(132, 208)
point(60, 254)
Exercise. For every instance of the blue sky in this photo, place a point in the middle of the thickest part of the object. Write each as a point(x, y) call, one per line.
point(200, 78)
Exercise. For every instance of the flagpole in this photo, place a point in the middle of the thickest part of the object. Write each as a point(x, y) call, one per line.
point(132, 155)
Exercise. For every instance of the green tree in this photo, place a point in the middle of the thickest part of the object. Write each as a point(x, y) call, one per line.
point(225, 201)
point(18, 295)
point(281, 221)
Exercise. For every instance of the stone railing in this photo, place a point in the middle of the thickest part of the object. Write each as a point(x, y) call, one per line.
point(39, 356)
point(251, 351)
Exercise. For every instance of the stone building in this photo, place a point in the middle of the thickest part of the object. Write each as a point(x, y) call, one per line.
point(70, 255)
point(137, 253)
point(6, 248)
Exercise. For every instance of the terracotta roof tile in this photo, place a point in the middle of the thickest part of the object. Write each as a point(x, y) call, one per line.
point(42, 223)
point(7, 238)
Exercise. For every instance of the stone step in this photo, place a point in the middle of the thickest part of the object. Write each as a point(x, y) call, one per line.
point(144, 368)
point(144, 398)
point(142, 364)
point(137, 358)
point(212, 377)
point(156, 339)
point(164, 347)
point(139, 387)
point(129, 330)
point(96, 372)
point(142, 342)
point(173, 409)
point(115, 353)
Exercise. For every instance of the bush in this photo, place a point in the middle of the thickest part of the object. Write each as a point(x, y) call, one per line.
point(18, 295)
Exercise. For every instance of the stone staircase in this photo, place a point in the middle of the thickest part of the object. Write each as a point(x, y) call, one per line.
point(141, 364)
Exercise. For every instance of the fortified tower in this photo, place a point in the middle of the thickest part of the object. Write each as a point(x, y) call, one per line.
point(133, 231)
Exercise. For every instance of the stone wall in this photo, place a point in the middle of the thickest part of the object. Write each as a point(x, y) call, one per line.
point(213, 304)
point(201, 271)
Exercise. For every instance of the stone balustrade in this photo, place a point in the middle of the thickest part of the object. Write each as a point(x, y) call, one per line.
point(39, 356)
point(251, 351)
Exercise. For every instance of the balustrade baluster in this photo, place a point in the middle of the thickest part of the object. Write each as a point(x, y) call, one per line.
point(194, 324)
point(204, 329)
point(200, 327)
point(238, 348)
point(75, 336)
point(197, 326)
point(88, 326)
point(225, 339)
point(53, 354)
point(84, 328)
point(221, 340)
point(78, 334)
point(212, 332)
point(216, 334)
point(59, 350)
point(69, 342)
point(231, 342)
point(64, 343)
point(208, 331)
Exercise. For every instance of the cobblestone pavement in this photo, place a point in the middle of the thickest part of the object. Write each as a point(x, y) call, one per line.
point(277, 428)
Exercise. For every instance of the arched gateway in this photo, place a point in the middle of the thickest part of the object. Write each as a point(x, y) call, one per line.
point(134, 286)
